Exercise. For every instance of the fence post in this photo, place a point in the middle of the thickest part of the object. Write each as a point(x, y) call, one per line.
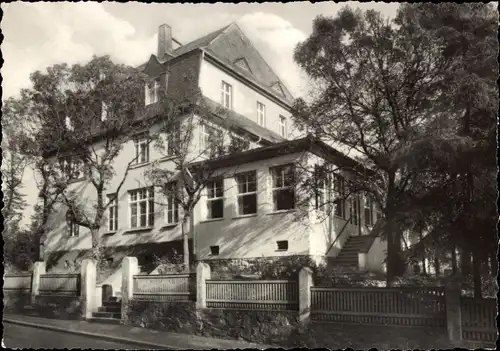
point(305, 285)
point(129, 267)
point(38, 269)
point(453, 312)
point(202, 275)
point(88, 287)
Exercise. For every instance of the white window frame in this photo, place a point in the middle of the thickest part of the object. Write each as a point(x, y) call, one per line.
point(283, 126)
point(226, 95)
point(246, 177)
point(69, 124)
point(172, 205)
point(339, 192)
point(152, 92)
point(368, 207)
point(261, 114)
point(113, 214)
point(212, 185)
point(104, 111)
point(72, 228)
point(204, 137)
point(137, 197)
point(139, 142)
point(320, 190)
point(275, 187)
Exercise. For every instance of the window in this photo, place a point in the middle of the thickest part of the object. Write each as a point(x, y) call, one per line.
point(282, 245)
point(355, 210)
point(152, 92)
point(214, 250)
point(113, 213)
point(141, 149)
point(261, 113)
point(368, 211)
point(211, 140)
point(104, 111)
point(71, 227)
point(173, 139)
point(320, 187)
point(71, 167)
point(227, 95)
point(339, 189)
point(142, 208)
point(215, 200)
point(69, 124)
point(247, 193)
point(283, 127)
point(283, 187)
point(172, 209)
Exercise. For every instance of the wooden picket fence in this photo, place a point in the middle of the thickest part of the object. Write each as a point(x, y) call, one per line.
point(19, 283)
point(60, 284)
point(278, 295)
point(165, 287)
point(402, 306)
point(479, 319)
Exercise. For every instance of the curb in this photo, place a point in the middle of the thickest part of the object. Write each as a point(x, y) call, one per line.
point(94, 335)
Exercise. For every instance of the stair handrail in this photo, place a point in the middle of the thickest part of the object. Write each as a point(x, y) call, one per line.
point(338, 236)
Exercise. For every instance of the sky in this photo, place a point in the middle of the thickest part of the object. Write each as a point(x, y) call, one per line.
point(38, 35)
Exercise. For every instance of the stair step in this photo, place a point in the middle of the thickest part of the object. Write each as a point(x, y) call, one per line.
point(112, 304)
point(104, 320)
point(114, 298)
point(116, 315)
point(112, 309)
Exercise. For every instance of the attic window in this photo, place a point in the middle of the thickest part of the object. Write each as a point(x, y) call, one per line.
point(277, 88)
point(214, 250)
point(282, 245)
point(243, 64)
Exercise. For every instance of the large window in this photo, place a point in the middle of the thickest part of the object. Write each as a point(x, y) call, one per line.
point(141, 148)
point(211, 140)
point(247, 193)
point(227, 95)
point(261, 113)
point(215, 198)
point(283, 187)
point(283, 127)
point(355, 210)
point(368, 211)
point(142, 208)
point(174, 139)
point(72, 228)
point(113, 213)
point(320, 188)
point(172, 208)
point(340, 202)
point(152, 92)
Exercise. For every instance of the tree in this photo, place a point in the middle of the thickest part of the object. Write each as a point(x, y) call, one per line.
point(189, 134)
point(85, 114)
point(376, 84)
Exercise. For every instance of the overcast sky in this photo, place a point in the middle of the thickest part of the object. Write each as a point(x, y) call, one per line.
point(37, 35)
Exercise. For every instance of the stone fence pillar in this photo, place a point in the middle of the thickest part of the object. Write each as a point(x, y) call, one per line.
point(202, 275)
point(88, 287)
point(38, 269)
point(305, 285)
point(453, 313)
point(129, 268)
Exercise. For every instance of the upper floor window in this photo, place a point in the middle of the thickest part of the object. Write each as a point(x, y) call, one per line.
point(368, 211)
point(247, 193)
point(71, 167)
point(227, 95)
point(340, 202)
point(113, 213)
point(320, 188)
point(211, 140)
point(172, 208)
point(142, 208)
point(283, 127)
point(141, 148)
point(261, 113)
point(174, 139)
point(215, 198)
point(104, 111)
point(152, 92)
point(72, 228)
point(283, 187)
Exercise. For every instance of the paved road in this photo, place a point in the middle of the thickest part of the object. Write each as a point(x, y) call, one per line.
point(18, 336)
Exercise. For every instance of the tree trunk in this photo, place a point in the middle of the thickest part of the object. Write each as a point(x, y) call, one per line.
point(424, 266)
point(185, 242)
point(437, 267)
point(454, 267)
point(465, 263)
point(395, 264)
point(476, 269)
point(494, 264)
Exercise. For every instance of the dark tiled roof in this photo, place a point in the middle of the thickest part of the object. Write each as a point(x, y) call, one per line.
point(200, 42)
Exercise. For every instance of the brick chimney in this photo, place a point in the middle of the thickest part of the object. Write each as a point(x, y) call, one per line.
point(164, 41)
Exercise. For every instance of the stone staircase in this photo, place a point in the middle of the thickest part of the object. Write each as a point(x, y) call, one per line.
point(348, 257)
point(110, 312)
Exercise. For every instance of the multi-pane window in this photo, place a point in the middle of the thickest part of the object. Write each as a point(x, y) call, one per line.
point(113, 213)
point(173, 139)
point(283, 187)
point(204, 137)
point(368, 211)
point(142, 208)
point(320, 188)
point(172, 208)
point(355, 209)
point(71, 227)
point(152, 92)
point(211, 140)
point(247, 193)
point(227, 95)
point(215, 198)
point(340, 202)
point(141, 149)
point(283, 127)
point(261, 113)
point(71, 167)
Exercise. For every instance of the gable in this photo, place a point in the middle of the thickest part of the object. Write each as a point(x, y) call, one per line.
point(153, 68)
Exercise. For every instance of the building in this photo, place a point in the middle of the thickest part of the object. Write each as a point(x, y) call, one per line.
point(251, 210)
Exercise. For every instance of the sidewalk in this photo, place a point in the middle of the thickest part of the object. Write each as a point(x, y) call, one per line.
point(138, 336)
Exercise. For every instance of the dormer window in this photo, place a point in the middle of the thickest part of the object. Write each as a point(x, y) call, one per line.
point(152, 92)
